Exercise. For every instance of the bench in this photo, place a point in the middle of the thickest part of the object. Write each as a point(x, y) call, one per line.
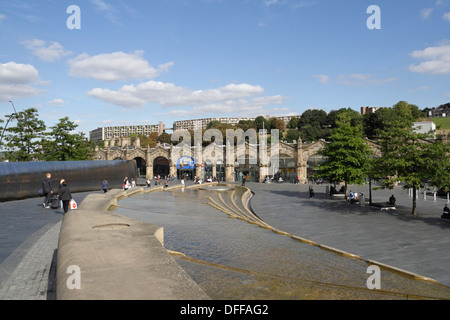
point(384, 206)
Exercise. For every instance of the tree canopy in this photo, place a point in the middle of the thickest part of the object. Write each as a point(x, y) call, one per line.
point(346, 153)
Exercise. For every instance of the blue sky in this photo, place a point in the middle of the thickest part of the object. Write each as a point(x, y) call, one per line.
point(141, 62)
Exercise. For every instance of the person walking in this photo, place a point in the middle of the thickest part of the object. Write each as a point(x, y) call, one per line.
point(64, 195)
point(105, 185)
point(311, 192)
point(47, 189)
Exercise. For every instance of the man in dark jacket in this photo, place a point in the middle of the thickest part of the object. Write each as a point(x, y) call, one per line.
point(47, 190)
point(64, 195)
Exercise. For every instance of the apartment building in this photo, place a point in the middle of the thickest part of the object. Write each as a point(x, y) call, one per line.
point(203, 123)
point(116, 132)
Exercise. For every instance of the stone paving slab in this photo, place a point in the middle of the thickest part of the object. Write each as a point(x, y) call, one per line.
point(28, 240)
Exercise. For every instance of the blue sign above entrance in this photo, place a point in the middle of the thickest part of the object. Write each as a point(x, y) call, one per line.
point(186, 163)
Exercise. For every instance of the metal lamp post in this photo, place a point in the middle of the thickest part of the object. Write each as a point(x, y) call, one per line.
point(7, 122)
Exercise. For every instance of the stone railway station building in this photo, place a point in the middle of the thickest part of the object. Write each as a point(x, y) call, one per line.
point(296, 160)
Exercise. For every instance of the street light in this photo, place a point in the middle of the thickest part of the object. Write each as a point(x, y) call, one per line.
point(7, 122)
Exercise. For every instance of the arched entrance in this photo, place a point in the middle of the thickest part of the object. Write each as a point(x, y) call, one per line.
point(186, 168)
point(287, 169)
point(220, 171)
point(312, 166)
point(249, 170)
point(161, 167)
point(141, 166)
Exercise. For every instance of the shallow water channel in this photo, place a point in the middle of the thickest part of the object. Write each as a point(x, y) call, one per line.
point(232, 259)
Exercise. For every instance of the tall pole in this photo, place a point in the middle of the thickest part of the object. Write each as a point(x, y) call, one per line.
point(7, 122)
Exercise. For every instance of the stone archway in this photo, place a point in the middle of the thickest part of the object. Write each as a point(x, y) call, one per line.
point(141, 165)
point(312, 164)
point(161, 166)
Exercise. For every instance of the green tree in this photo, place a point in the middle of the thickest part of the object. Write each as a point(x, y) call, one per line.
point(355, 117)
point(410, 157)
point(24, 142)
point(310, 133)
point(213, 124)
point(261, 122)
point(311, 125)
point(246, 124)
point(292, 135)
point(164, 138)
point(293, 123)
point(346, 153)
point(62, 144)
point(313, 117)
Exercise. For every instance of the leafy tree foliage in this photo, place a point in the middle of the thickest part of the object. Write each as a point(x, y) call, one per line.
point(409, 156)
point(23, 144)
point(346, 153)
point(64, 144)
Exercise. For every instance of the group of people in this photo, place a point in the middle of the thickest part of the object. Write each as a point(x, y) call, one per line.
point(64, 193)
point(127, 184)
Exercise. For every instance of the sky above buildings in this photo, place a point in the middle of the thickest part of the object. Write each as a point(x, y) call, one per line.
point(123, 62)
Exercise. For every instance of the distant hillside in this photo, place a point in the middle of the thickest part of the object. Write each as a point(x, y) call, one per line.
point(442, 123)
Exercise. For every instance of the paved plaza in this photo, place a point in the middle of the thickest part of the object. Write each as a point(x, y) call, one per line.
point(29, 233)
point(417, 244)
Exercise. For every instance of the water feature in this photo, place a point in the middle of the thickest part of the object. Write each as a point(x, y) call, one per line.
point(230, 258)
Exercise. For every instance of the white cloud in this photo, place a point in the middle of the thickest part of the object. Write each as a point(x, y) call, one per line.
point(168, 94)
point(2, 17)
point(425, 13)
point(116, 66)
point(419, 89)
point(16, 81)
point(50, 53)
point(446, 16)
point(57, 102)
point(106, 9)
point(356, 79)
point(241, 107)
point(437, 60)
point(322, 78)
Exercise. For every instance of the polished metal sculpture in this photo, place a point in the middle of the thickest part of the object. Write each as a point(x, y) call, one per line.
point(19, 180)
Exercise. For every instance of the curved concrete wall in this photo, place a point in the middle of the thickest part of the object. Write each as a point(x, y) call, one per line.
point(115, 257)
point(19, 180)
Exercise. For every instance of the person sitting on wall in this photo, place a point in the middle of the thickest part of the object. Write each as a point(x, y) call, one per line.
point(392, 200)
point(446, 213)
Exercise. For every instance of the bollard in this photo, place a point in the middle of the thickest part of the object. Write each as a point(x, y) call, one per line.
point(434, 196)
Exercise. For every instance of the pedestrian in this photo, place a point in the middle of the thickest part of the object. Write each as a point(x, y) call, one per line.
point(105, 185)
point(392, 200)
point(133, 183)
point(126, 184)
point(47, 189)
point(311, 192)
point(243, 180)
point(64, 195)
point(149, 183)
